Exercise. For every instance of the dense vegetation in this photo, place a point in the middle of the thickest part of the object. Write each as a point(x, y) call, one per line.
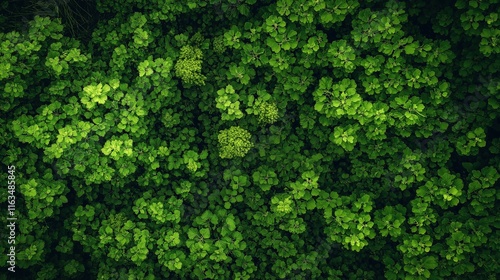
point(246, 139)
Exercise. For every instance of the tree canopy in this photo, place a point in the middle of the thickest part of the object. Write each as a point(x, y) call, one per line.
point(245, 139)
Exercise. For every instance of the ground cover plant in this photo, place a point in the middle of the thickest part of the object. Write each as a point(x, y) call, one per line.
point(246, 139)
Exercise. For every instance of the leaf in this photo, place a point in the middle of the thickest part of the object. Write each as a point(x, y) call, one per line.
point(326, 17)
point(275, 47)
point(230, 223)
point(108, 230)
point(318, 106)
point(311, 204)
point(192, 233)
point(205, 232)
point(430, 262)
point(410, 49)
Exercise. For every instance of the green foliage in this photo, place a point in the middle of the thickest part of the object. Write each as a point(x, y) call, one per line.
point(336, 100)
point(390, 219)
point(218, 44)
point(265, 178)
point(266, 111)
point(345, 137)
point(117, 148)
point(229, 104)
point(95, 94)
point(188, 66)
point(43, 200)
point(234, 142)
point(374, 123)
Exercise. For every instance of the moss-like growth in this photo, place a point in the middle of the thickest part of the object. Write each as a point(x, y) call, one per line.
point(188, 67)
point(267, 113)
point(235, 142)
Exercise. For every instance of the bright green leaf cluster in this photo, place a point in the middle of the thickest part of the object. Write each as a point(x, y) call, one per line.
point(234, 142)
point(188, 66)
point(229, 104)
